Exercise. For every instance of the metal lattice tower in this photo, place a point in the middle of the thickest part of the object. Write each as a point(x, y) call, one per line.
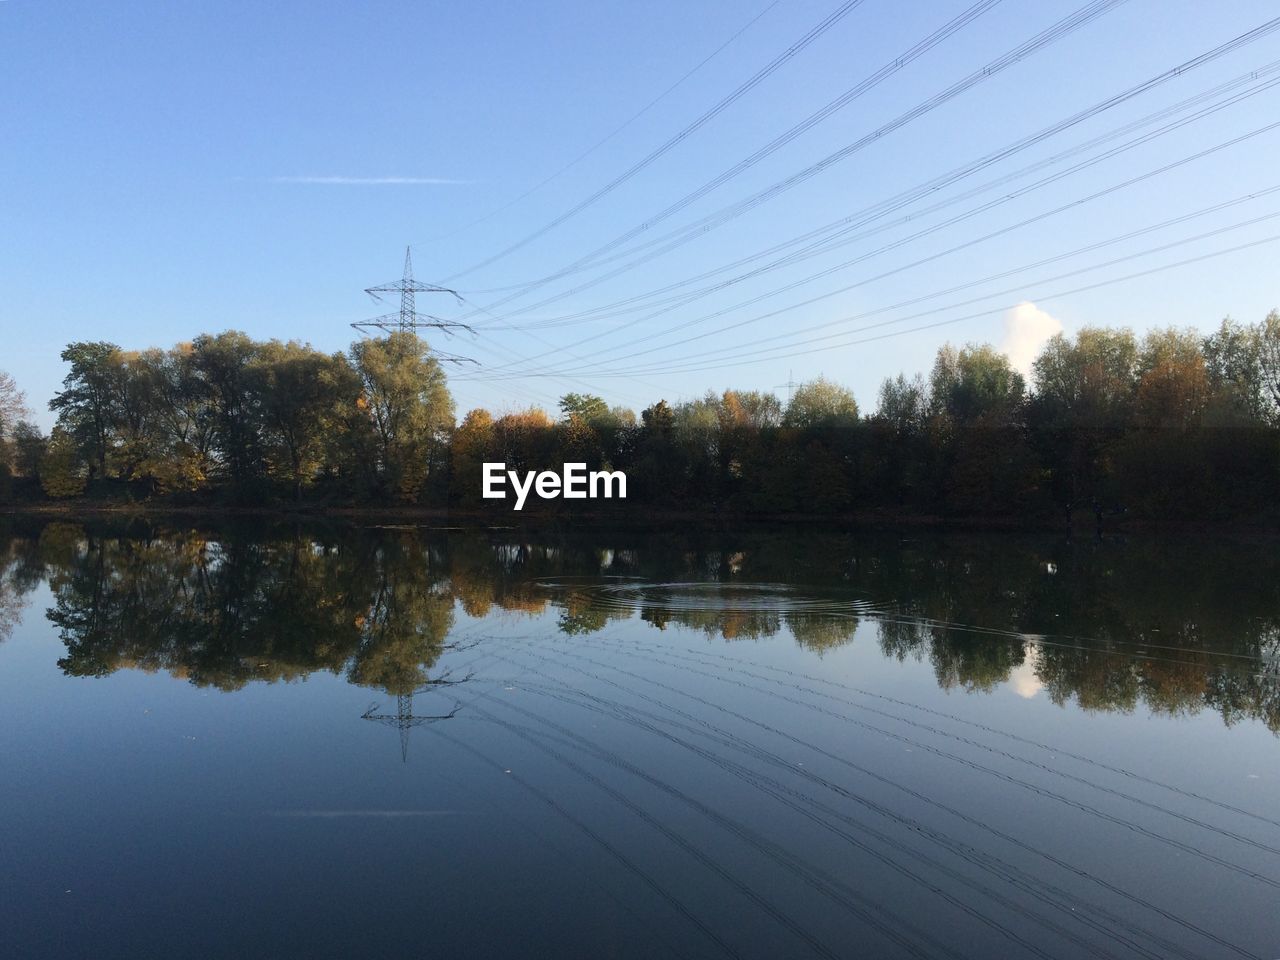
point(790, 385)
point(408, 320)
point(403, 719)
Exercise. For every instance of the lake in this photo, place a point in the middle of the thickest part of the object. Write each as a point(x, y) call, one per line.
point(407, 742)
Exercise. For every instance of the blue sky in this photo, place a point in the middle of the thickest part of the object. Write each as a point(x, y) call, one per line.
point(169, 169)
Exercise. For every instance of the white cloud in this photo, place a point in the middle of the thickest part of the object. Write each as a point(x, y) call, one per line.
point(1027, 329)
point(366, 181)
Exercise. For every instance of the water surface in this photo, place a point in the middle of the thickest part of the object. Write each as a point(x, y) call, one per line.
point(414, 743)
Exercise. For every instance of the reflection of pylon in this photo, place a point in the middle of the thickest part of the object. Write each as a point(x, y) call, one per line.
point(403, 719)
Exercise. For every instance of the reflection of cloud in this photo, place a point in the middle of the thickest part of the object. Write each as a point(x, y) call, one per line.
point(326, 814)
point(1023, 680)
point(367, 181)
point(1027, 328)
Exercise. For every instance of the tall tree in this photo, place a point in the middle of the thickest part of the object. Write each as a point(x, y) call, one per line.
point(183, 426)
point(1083, 403)
point(975, 382)
point(1233, 367)
point(63, 472)
point(222, 365)
point(470, 447)
point(1269, 362)
point(903, 403)
point(585, 405)
point(86, 405)
point(821, 403)
point(299, 392)
point(13, 414)
point(27, 446)
point(1173, 382)
point(409, 408)
point(13, 405)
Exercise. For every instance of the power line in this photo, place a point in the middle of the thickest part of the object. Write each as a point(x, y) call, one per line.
point(830, 232)
point(742, 90)
point(864, 86)
point(685, 234)
point(1086, 14)
point(981, 208)
point(1075, 252)
point(965, 244)
point(973, 316)
point(873, 213)
point(601, 142)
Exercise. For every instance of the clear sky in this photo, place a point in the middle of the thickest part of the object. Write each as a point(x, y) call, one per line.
point(171, 168)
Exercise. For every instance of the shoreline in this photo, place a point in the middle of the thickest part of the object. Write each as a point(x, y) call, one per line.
point(462, 518)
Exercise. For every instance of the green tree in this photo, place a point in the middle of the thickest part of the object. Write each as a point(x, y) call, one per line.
point(28, 447)
point(821, 403)
point(409, 409)
point(658, 419)
point(182, 426)
point(470, 447)
point(975, 382)
point(87, 404)
point(63, 472)
point(299, 393)
point(1269, 363)
point(222, 366)
point(1233, 368)
point(13, 406)
point(904, 404)
point(1173, 382)
point(1083, 403)
point(585, 405)
point(13, 414)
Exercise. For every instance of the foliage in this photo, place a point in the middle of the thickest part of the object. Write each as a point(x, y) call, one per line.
point(26, 448)
point(1177, 425)
point(408, 407)
point(585, 405)
point(63, 472)
point(821, 403)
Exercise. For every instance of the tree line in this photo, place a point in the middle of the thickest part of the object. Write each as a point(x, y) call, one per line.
point(1172, 425)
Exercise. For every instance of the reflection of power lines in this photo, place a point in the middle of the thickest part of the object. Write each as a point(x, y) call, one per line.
point(404, 718)
point(1053, 896)
point(407, 319)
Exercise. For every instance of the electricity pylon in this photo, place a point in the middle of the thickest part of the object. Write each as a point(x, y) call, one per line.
point(408, 320)
point(790, 385)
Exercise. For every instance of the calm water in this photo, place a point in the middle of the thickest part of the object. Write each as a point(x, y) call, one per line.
point(417, 743)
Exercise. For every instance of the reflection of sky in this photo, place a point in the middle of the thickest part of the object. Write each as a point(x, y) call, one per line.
point(1023, 680)
point(279, 797)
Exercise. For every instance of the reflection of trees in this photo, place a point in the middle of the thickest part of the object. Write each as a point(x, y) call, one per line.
point(224, 613)
point(19, 574)
point(960, 659)
point(724, 621)
point(821, 632)
point(403, 633)
point(1174, 627)
point(1171, 627)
